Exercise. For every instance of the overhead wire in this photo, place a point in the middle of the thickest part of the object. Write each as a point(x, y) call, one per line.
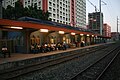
point(109, 8)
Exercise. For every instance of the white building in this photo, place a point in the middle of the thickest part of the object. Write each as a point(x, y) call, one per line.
point(80, 13)
point(70, 12)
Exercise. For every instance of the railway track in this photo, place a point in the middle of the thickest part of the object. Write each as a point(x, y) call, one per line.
point(111, 72)
point(96, 70)
point(16, 72)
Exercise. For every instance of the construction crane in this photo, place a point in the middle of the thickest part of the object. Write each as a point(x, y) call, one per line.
point(93, 6)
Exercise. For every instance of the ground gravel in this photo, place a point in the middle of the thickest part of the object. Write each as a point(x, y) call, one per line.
point(66, 70)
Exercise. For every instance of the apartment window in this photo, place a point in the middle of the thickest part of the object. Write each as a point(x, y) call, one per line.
point(28, 1)
point(53, 20)
point(66, 19)
point(50, 8)
point(25, 3)
point(63, 5)
point(64, 9)
point(13, 4)
point(66, 6)
point(57, 10)
point(60, 12)
point(50, 3)
point(66, 2)
point(50, 15)
point(54, 15)
point(63, 14)
point(53, 10)
point(53, 5)
point(57, 2)
point(66, 14)
point(35, 4)
point(60, 3)
point(39, 3)
point(61, 17)
point(39, 7)
point(60, 8)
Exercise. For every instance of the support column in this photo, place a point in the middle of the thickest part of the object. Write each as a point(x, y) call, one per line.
point(26, 41)
point(85, 40)
point(0, 34)
point(72, 38)
point(95, 39)
point(91, 40)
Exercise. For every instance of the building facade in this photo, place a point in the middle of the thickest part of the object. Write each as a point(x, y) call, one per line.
point(80, 13)
point(94, 21)
point(115, 36)
point(106, 30)
point(70, 12)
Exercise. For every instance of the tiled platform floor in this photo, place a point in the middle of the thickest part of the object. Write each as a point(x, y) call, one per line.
point(21, 56)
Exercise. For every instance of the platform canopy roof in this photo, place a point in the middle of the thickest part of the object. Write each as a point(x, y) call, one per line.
point(32, 23)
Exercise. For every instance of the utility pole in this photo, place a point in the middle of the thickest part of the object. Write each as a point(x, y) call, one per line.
point(117, 24)
point(0, 9)
point(117, 29)
point(101, 26)
point(101, 18)
point(0, 17)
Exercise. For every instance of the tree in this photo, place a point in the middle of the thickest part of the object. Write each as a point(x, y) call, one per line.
point(46, 15)
point(9, 12)
point(19, 11)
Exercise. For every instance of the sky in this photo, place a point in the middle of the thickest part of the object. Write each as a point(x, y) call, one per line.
point(110, 12)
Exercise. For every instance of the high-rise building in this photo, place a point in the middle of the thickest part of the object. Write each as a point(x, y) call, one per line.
point(70, 12)
point(106, 30)
point(94, 21)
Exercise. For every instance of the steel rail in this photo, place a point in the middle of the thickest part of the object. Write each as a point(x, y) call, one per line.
point(108, 66)
point(74, 77)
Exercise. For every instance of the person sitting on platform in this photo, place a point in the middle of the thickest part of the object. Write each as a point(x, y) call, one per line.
point(32, 48)
point(82, 44)
point(38, 47)
point(5, 51)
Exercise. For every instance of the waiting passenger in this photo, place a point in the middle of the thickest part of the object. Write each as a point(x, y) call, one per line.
point(82, 44)
point(5, 51)
point(38, 47)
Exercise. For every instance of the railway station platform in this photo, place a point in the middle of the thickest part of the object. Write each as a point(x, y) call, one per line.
point(22, 59)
